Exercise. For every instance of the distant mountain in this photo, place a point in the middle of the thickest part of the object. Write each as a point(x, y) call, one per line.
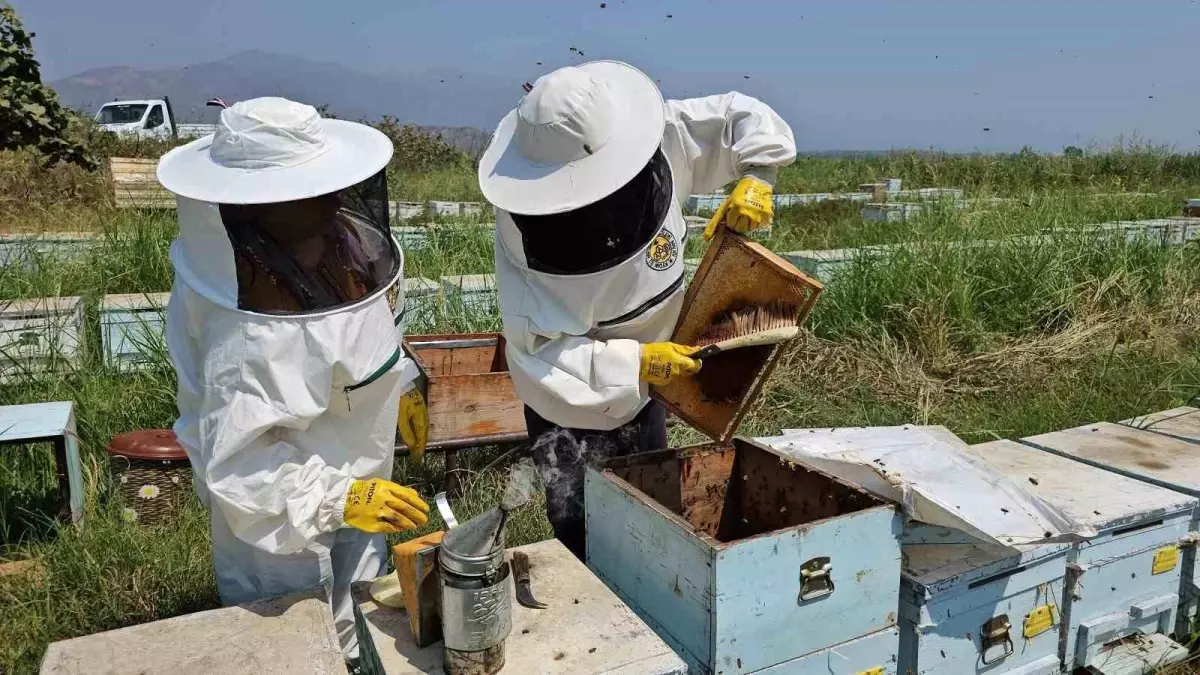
point(458, 105)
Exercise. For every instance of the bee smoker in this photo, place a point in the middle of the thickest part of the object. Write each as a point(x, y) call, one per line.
point(476, 608)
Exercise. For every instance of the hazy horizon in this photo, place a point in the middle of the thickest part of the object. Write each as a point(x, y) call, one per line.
point(864, 76)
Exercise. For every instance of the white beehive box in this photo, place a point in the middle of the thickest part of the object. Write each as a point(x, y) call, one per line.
point(1124, 580)
point(703, 204)
point(411, 237)
point(695, 226)
point(440, 208)
point(407, 210)
point(474, 293)
point(1162, 448)
point(970, 606)
point(39, 336)
point(891, 212)
point(283, 634)
point(746, 562)
point(25, 250)
point(422, 299)
point(133, 330)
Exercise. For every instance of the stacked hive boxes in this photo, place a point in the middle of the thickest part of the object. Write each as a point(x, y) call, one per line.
point(1121, 583)
point(1162, 449)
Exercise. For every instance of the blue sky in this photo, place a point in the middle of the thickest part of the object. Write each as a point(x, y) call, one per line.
point(851, 74)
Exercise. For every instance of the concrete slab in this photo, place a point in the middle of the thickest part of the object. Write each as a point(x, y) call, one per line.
point(287, 634)
point(585, 628)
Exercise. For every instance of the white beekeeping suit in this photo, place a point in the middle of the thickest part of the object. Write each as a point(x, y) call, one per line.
point(283, 328)
point(581, 137)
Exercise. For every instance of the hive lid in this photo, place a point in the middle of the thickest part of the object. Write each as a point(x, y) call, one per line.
point(734, 273)
point(148, 444)
point(929, 471)
point(1103, 500)
point(1156, 458)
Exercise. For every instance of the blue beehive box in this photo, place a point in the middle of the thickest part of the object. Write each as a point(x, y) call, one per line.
point(1164, 459)
point(746, 562)
point(1122, 583)
point(969, 606)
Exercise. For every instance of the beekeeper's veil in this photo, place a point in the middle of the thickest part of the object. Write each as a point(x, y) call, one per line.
point(283, 212)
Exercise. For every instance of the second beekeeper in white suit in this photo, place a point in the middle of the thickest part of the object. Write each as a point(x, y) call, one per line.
point(588, 175)
point(284, 329)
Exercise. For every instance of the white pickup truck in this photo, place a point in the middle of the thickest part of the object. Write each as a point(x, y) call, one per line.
point(147, 119)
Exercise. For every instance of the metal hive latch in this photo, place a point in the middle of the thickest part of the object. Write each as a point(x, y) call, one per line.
point(816, 579)
point(995, 633)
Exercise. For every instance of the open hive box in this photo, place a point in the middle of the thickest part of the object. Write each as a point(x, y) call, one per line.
point(468, 389)
point(742, 559)
point(735, 273)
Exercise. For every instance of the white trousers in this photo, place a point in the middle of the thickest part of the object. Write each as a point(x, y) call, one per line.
point(334, 560)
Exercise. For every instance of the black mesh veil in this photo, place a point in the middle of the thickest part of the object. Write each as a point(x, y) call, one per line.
point(313, 254)
point(602, 234)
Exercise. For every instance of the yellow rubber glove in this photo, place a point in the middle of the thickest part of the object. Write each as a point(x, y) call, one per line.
point(662, 362)
point(380, 506)
point(748, 207)
point(413, 423)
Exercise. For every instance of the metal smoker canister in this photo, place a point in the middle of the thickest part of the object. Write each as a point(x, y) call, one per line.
point(476, 607)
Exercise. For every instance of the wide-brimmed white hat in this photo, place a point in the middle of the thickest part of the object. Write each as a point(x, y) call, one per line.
point(269, 150)
point(580, 133)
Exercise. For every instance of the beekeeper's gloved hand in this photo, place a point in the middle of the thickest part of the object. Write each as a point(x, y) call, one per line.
point(380, 506)
point(748, 207)
point(413, 423)
point(663, 362)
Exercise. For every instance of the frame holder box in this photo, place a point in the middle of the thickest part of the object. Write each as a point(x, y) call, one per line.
point(466, 384)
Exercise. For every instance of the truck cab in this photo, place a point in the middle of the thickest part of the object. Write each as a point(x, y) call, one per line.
point(150, 118)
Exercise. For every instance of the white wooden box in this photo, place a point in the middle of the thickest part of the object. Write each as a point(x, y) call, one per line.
point(422, 299)
point(703, 204)
point(37, 336)
point(473, 292)
point(743, 560)
point(1171, 460)
point(440, 208)
point(968, 606)
point(283, 634)
point(1126, 580)
point(133, 330)
point(407, 210)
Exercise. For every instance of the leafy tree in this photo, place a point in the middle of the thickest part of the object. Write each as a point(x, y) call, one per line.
point(1072, 151)
point(30, 114)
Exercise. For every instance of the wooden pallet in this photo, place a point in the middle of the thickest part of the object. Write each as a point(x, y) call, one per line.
point(136, 186)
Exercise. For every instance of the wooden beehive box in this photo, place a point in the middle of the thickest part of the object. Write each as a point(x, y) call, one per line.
point(1168, 461)
point(468, 388)
point(743, 560)
point(969, 606)
point(39, 336)
point(133, 330)
point(735, 273)
point(1128, 577)
point(135, 184)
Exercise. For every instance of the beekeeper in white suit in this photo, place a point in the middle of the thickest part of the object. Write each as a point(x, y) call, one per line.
point(588, 175)
point(283, 328)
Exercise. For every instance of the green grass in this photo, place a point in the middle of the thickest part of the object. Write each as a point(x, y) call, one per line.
point(997, 341)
